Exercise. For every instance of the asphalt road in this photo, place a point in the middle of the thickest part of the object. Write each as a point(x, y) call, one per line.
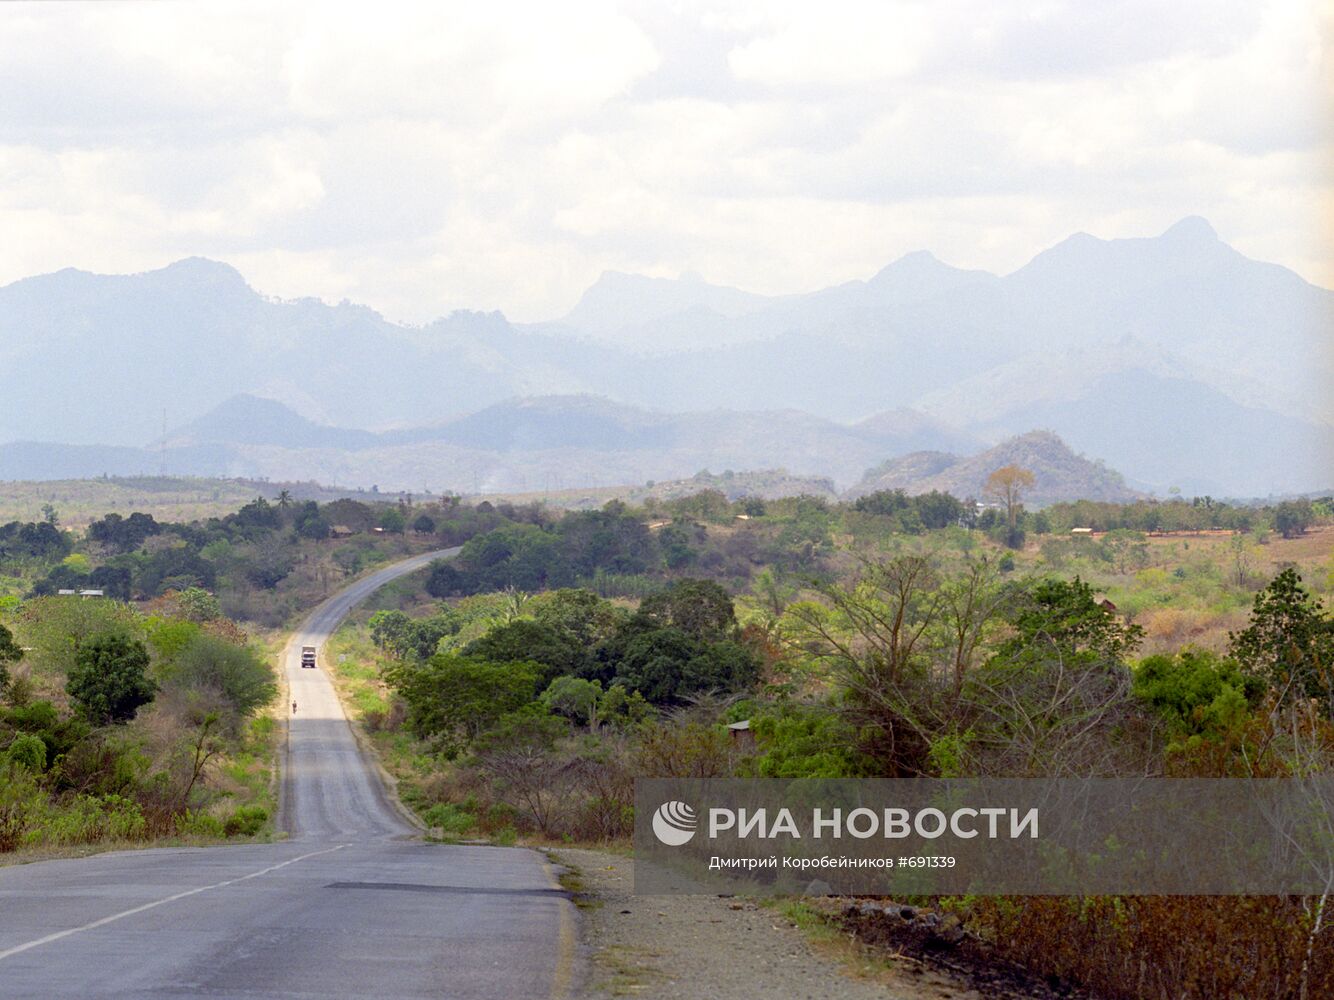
point(351, 905)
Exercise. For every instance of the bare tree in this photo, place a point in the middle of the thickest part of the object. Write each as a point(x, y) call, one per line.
point(1007, 484)
point(969, 608)
point(871, 631)
point(1054, 716)
point(873, 636)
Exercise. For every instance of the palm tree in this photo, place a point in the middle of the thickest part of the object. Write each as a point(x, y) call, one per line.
point(284, 499)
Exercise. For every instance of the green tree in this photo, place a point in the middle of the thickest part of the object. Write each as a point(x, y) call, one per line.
point(668, 665)
point(109, 682)
point(1062, 617)
point(938, 510)
point(807, 742)
point(1289, 640)
point(1129, 549)
point(315, 528)
point(701, 609)
point(1293, 517)
point(198, 605)
point(574, 698)
point(54, 627)
point(654, 664)
point(424, 524)
point(233, 672)
point(452, 698)
point(1197, 692)
point(882, 502)
point(579, 614)
point(623, 709)
point(393, 521)
point(526, 640)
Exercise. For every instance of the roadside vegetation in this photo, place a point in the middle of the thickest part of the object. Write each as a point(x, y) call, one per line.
point(527, 683)
point(136, 663)
point(517, 691)
point(121, 724)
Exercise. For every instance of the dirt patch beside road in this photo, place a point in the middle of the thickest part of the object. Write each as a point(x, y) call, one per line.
point(686, 947)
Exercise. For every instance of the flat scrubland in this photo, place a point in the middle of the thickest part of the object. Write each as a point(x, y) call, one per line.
point(167, 498)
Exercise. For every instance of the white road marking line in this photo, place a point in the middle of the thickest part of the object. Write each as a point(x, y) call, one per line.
point(159, 902)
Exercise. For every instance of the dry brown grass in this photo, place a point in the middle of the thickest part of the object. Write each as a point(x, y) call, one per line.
point(1167, 947)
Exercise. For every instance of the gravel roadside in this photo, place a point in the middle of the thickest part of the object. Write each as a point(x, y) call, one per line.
point(687, 947)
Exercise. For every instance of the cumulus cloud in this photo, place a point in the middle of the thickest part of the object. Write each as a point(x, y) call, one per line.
point(422, 158)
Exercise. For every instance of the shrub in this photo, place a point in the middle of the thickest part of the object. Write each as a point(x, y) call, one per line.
point(28, 751)
point(452, 820)
point(193, 823)
point(574, 698)
point(88, 819)
point(1178, 947)
point(21, 806)
point(208, 663)
point(247, 821)
point(806, 743)
point(1196, 691)
point(690, 750)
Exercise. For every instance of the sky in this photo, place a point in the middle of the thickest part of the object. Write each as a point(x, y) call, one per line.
point(426, 158)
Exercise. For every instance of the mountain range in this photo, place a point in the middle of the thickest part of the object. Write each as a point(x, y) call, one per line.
point(1174, 359)
point(555, 443)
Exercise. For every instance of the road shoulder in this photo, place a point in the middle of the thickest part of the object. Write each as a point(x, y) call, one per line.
point(685, 947)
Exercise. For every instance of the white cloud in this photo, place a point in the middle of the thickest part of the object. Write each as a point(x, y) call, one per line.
point(422, 158)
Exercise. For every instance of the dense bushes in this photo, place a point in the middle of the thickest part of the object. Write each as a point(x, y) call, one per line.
point(530, 557)
point(452, 699)
point(154, 703)
point(684, 641)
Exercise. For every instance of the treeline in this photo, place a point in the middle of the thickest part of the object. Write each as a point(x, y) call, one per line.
point(264, 561)
point(1289, 517)
point(618, 551)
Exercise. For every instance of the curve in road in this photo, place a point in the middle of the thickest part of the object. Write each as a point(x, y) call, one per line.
point(350, 907)
point(329, 789)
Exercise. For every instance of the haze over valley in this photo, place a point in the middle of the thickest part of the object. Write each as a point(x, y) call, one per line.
point(1172, 359)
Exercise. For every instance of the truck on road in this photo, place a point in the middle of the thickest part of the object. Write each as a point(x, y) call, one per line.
point(308, 656)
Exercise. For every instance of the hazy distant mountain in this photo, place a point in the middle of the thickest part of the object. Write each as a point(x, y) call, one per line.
point(617, 302)
point(245, 419)
point(1059, 473)
point(524, 443)
point(1174, 358)
point(1123, 417)
point(98, 359)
